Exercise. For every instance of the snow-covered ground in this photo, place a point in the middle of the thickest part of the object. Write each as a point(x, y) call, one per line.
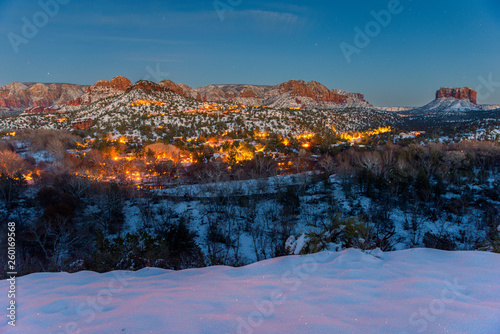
point(411, 291)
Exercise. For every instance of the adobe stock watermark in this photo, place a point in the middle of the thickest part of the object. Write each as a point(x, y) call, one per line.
point(293, 279)
point(31, 27)
point(421, 319)
point(11, 272)
point(363, 37)
point(91, 305)
point(222, 6)
point(486, 87)
point(155, 74)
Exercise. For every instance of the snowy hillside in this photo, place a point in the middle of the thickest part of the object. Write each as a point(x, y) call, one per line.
point(448, 104)
point(413, 291)
point(394, 109)
point(149, 111)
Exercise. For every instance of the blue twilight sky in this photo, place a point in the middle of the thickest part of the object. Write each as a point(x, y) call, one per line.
point(428, 44)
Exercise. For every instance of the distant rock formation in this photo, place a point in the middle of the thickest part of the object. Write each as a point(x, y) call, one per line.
point(451, 100)
point(295, 93)
point(394, 109)
point(490, 106)
point(38, 97)
point(217, 93)
point(20, 96)
point(289, 94)
point(463, 93)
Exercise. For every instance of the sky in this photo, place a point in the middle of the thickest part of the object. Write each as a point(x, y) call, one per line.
point(401, 59)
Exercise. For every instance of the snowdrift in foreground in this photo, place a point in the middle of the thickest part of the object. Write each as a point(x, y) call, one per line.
point(412, 291)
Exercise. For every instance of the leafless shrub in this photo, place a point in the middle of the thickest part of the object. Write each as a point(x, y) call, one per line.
point(454, 157)
point(42, 139)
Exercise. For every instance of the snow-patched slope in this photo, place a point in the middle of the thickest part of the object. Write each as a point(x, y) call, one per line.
point(288, 100)
point(413, 291)
point(449, 104)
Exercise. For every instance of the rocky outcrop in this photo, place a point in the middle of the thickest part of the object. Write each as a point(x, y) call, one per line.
point(119, 83)
point(102, 89)
point(75, 102)
point(147, 85)
point(39, 110)
point(82, 125)
point(313, 90)
point(183, 90)
point(12, 103)
point(247, 93)
point(464, 93)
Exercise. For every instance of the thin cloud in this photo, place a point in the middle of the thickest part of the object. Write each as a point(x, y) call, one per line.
point(143, 40)
point(269, 16)
point(156, 60)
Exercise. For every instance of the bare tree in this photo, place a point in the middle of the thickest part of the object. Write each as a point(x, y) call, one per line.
point(371, 160)
point(78, 186)
point(55, 238)
point(414, 223)
point(327, 164)
point(56, 148)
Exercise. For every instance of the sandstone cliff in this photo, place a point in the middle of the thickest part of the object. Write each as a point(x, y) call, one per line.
point(463, 93)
